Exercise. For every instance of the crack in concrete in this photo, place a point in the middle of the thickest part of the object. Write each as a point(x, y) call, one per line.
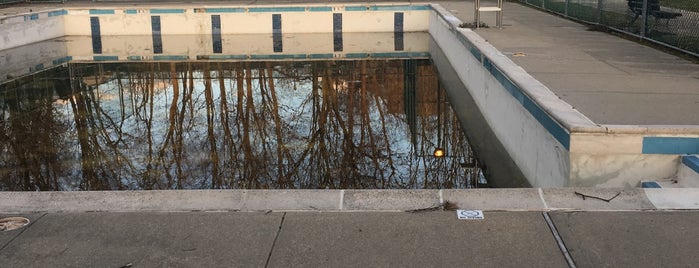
point(271, 250)
point(559, 240)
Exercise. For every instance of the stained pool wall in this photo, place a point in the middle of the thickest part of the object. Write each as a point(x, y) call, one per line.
point(542, 157)
point(551, 143)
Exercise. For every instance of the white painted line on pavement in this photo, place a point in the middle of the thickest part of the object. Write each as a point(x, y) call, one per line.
point(342, 199)
point(541, 195)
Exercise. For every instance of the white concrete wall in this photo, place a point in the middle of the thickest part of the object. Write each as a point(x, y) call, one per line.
point(616, 160)
point(196, 21)
point(80, 47)
point(19, 30)
point(77, 22)
point(542, 159)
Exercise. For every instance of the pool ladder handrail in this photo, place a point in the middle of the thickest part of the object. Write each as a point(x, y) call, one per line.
point(497, 9)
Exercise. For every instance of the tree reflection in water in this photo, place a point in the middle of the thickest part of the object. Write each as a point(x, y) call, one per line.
point(252, 125)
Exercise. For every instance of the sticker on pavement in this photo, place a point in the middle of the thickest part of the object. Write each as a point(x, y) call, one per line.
point(470, 214)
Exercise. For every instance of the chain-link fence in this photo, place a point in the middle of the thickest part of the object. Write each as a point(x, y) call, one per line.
point(674, 23)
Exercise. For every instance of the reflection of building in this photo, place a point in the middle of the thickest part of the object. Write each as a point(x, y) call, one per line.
point(387, 79)
point(97, 79)
point(156, 78)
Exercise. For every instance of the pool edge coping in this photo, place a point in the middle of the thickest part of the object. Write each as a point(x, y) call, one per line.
point(513, 199)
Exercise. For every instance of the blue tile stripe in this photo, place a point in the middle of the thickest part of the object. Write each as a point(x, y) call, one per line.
point(383, 55)
point(388, 8)
point(62, 60)
point(670, 145)
point(131, 11)
point(388, 55)
point(170, 57)
point(105, 58)
point(225, 10)
point(56, 13)
point(692, 162)
point(277, 56)
point(102, 12)
point(650, 184)
point(397, 8)
point(222, 57)
point(357, 8)
point(33, 16)
point(556, 130)
point(471, 48)
point(167, 11)
point(321, 56)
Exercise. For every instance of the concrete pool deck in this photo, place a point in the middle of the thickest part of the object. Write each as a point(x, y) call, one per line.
point(611, 80)
point(305, 228)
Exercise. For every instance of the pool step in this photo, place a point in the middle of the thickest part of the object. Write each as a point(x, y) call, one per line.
point(687, 175)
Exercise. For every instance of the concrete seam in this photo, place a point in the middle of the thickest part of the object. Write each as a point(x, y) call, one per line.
point(271, 250)
point(342, 199)
point(24, 229)
point(541, 196)
point(559, 240)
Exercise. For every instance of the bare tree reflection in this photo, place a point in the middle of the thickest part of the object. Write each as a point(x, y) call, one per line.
point(30, 136)
point(316, 124)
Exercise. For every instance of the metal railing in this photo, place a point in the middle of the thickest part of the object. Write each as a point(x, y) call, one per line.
point(672, 23)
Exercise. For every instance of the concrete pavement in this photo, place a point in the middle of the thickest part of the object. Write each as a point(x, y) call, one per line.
point(630, 238)
point(352, 228)
point(351, 239)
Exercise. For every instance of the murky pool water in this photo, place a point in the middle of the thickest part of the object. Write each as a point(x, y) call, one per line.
point(370, 123)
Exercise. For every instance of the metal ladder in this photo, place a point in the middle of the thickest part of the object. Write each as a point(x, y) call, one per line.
point(498, 15)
